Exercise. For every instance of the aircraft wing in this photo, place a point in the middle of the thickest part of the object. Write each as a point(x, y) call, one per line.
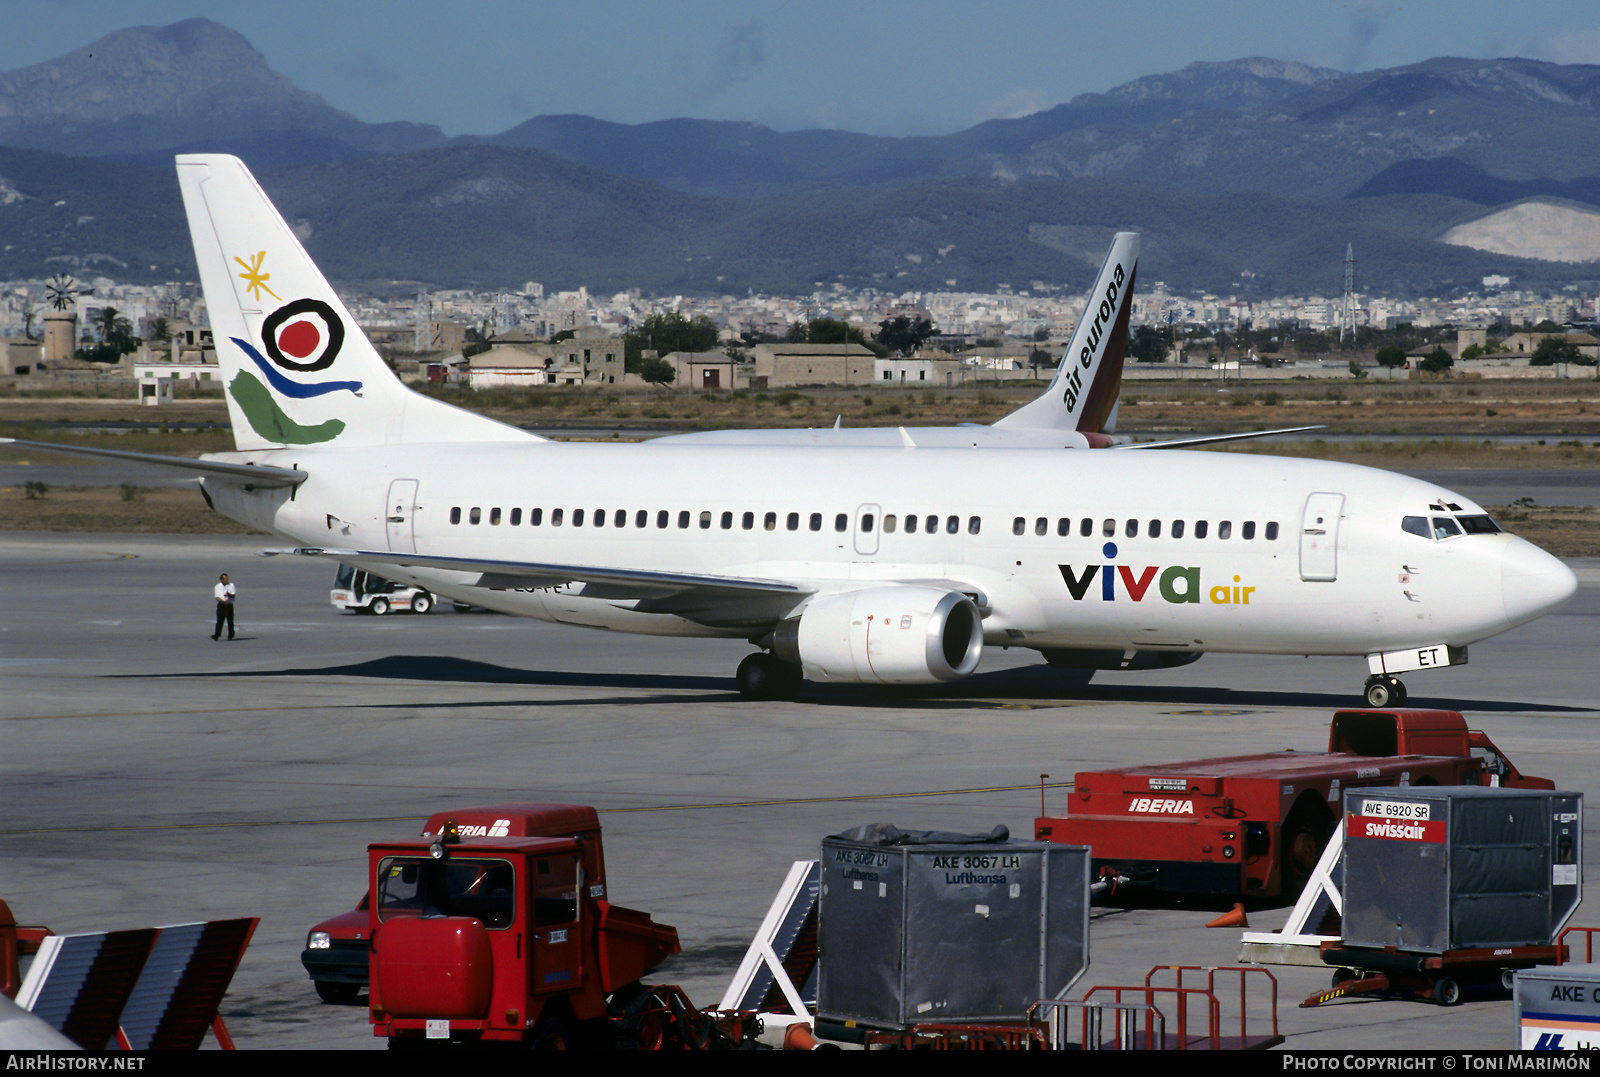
point(257, 474)
point(1214, 439)
point(605, 583)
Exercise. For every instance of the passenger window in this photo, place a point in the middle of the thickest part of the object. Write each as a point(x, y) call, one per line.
point(866, 521)
point(816, 521)
point(1154, 530)
point(1109, 529)
point(1018, 526)
point(705, 521)
point(1224, 529)
point(792, 521)
point(1063, 527)
point(770, 521)
point(555, 517)
point(911, 524)
point(455, 515)
point(1131, 529)
point(621, 519)
point(974, 523)
point(683, 518)
point(747, 521)
point(952, 524)
point(1248, 531)
point(1177, 528)
point(1086, 528)
point(577, 517)
point(1041, 526)
point(1199, 529)
point(931, 525)
point(476, 516)
point(1445, 527)
point(1272, 532)
point(888, 525)
point(727, 520)
point(516, 517)
point(841, 522)
point(599, 517)
point(535, 517)
point(642, 518)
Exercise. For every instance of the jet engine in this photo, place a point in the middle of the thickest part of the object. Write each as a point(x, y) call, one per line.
point(884, 635)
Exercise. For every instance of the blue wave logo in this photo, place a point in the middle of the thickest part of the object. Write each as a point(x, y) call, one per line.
point(289, 388)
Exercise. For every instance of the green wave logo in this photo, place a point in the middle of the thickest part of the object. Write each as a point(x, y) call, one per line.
point(269, 421)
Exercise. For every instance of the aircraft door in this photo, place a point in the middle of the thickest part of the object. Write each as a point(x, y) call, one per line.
point(869, 520)
point(400, 514)
point(1319, 537)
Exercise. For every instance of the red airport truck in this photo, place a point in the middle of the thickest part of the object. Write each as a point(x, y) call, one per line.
point(1255, 825)
point(496, 926)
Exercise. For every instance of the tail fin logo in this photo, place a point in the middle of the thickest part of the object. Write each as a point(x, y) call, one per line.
point(1103, 316)
point(303, 336)
point(253, 278)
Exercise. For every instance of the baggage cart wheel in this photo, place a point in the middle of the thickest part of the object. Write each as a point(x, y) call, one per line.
point(1446, 991)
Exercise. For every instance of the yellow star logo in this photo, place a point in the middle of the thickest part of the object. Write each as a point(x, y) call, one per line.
point(254, 279)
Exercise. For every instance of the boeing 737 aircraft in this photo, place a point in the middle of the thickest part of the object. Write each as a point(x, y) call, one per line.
point(881, 556)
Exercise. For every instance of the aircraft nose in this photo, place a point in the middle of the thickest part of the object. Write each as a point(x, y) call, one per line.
point(1533, 582)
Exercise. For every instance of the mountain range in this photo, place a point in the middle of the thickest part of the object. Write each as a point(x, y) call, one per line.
point(1248, 177)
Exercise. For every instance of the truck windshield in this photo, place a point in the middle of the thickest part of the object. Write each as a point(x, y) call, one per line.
point(421, 886)
point(344, 577)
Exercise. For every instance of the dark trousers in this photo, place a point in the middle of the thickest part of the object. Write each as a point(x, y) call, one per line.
point(224, 613)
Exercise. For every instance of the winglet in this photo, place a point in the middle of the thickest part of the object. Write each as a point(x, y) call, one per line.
point(1083, 394)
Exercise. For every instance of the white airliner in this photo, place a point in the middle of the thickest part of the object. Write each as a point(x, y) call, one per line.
point(880, 556)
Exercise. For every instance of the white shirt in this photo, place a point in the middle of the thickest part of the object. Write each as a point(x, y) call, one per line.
point(225, 592)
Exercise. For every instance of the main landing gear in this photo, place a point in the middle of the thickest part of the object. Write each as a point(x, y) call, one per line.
point(1384, 691)
point(763, 677)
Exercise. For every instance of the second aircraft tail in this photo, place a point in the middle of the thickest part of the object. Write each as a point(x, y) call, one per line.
point(1083, 395)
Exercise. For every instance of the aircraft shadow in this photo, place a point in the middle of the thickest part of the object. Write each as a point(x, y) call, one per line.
point(1037, 685)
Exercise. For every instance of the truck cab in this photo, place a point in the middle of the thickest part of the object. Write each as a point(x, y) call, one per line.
point(496, 926)
point(1428, 732)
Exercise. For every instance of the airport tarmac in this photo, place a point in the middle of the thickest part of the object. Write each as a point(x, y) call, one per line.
point(152, 776)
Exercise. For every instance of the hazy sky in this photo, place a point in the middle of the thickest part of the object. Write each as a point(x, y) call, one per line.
point(926, 67)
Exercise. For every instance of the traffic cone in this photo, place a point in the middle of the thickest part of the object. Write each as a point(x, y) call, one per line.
point(1236, 918)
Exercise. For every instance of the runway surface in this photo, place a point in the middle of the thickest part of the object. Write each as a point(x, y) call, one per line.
point(151, 776)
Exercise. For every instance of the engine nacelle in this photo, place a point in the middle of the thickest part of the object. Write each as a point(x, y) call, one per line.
point(884, 635)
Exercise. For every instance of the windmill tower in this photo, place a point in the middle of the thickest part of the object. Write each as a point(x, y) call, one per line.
point(61, 320)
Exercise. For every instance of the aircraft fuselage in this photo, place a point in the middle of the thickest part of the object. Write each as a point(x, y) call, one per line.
point(1181, 551)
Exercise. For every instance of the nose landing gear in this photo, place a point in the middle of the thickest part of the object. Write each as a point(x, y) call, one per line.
point(1384, 692)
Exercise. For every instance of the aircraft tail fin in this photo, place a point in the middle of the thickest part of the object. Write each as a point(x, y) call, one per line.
point(1083, 395)
point(296, 367)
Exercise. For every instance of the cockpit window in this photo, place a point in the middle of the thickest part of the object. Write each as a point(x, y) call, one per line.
point(1445, 527)
point(1416, 525)
point(1479, 525)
